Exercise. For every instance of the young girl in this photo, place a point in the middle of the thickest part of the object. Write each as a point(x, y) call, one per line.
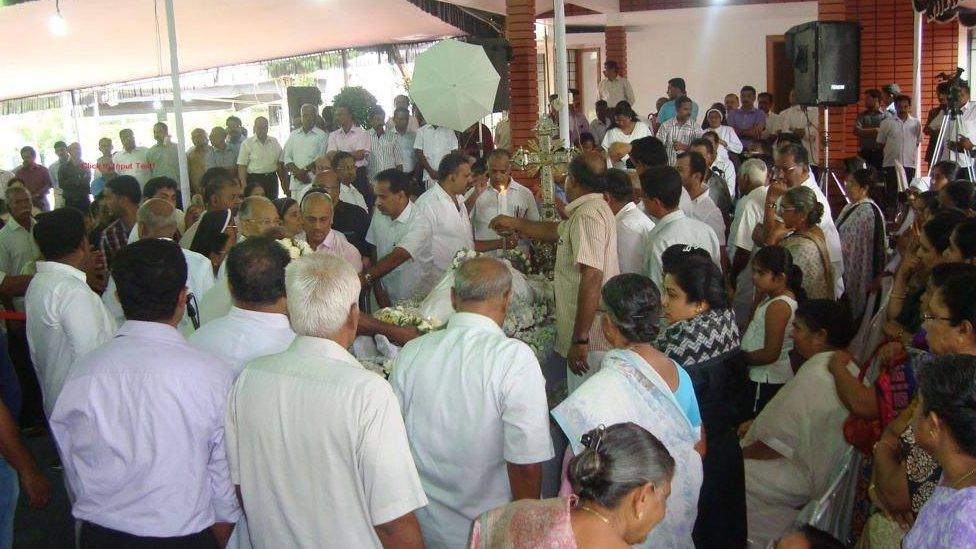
point(768, 339)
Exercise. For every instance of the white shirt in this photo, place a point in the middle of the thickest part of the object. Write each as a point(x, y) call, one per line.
point(616, 90)
point(386, 234)
point(260, 157)
point(17, 248)
point(807, 119)
point(750, 211)
point(831, 235)
point(965, 126)
point(677, 228)
point(704, 209)
point(439, 228)
point(772, 125)
point(133, 163)
point(199, 279)
point(318, 447)
point(779, 371)
point(518, 200)
point(435, 142)
point(473, 399)
point(727, 134)
point(65, 320)
point(243, 336)
point(53, 169)
point(140, 431)
point(412, 124)
point(301, 149)
point(351, 195)
point(901, 139)
point(633, 226)
point(616, 135)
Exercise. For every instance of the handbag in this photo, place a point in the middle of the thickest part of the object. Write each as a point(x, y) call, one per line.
point(893, 377)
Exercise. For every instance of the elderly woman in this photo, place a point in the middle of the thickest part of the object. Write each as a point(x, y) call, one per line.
point(795, 443)
point(861, 226)
point(945, 423)
point(638, 383)
point(801, 214)
point(621, 478)
point(703, 338)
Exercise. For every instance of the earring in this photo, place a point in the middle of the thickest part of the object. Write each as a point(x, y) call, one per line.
point(932, 433)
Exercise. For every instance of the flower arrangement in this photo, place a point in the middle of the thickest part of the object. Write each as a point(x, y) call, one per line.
point(379, 365)
point(408, 317)
point(461, 256)
point(296, 248)
point(518, 259)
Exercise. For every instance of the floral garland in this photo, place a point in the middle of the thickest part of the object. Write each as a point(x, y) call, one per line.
point(408, 317)
point(296, 248)
point(515, 256)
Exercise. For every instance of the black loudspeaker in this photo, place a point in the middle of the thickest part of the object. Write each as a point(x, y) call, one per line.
point(500, 53)
point(298, 96)
point(826, 59)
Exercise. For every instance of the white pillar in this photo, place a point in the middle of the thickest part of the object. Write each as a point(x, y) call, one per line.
point(562, 68)
point(174, 72)
point(917, 83)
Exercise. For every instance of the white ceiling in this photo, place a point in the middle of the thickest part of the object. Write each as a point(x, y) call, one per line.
point(116, 40)
point(541, 6)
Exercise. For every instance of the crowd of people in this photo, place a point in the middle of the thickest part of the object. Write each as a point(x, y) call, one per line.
point(725, 341)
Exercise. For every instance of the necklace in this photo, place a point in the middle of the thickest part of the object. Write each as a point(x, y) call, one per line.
point(600, 515)
point(955, 485)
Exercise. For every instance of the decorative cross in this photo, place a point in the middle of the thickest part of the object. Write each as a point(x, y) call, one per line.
point(544, 154)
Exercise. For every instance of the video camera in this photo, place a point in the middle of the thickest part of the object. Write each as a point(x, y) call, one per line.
point(954, 80)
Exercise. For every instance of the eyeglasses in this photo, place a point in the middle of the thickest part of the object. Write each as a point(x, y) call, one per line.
point(927, 316)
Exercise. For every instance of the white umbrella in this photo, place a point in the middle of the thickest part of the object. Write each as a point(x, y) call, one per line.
point(454, 84)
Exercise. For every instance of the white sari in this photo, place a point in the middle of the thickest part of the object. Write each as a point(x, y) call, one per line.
point(627, 389)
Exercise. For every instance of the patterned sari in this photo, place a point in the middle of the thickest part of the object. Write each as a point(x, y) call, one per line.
point(628, 389)
point(810, 255)
point(704, 337)
point(526, 523)
point(862, 232)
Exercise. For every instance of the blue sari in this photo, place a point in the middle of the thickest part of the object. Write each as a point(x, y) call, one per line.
point(628, 389)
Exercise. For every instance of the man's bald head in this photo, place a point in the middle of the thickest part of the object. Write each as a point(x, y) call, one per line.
point(157, 218)
point(317, 215)
point(482, 285)
point(256, 216)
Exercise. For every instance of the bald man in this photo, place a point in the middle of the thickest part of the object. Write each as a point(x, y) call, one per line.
point(317, 216)
point(258, 161)
point(131, 160)
point(158, 218)
point(304, 145)
point(487, 411)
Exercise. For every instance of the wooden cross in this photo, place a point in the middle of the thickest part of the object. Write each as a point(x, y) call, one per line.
point(544, 154)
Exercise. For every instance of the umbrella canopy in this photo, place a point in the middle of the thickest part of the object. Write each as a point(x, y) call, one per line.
point(454, 84)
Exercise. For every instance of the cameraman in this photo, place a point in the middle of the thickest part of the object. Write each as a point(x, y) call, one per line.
point(959, 144)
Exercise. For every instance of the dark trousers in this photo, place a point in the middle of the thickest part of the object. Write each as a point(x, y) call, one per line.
point(365, 186)
point(268, 182)
point(873, 158)
point(761, 394)
point(891, 187)
point(94, 536)
point(32, 410)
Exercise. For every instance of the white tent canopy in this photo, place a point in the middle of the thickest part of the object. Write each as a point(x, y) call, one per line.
point(111, 41)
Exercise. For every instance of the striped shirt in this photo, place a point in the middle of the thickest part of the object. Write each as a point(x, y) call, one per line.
point(672, 131)
point(384, 152)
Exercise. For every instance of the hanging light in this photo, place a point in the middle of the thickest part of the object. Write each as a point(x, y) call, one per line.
point(56, 24)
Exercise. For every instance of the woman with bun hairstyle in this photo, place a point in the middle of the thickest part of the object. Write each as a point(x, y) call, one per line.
point(637, 383)
point(621, 480)
point(801, 213)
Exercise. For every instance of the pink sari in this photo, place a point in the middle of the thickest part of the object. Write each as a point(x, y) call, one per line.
point(526, 524)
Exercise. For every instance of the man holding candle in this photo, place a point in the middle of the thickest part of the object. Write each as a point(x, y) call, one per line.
point(501, 195)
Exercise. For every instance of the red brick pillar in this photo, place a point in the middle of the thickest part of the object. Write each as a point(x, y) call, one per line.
point(522, 73)
point(616, 46)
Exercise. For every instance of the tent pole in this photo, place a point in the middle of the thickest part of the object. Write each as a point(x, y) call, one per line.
point(562, 69)
point(174, 73)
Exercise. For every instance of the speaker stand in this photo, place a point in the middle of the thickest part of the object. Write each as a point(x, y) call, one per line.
point(827, 173)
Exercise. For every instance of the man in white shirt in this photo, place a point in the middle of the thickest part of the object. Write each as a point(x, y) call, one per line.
point(793, 169)
point(901, 135)
point(157, 218)
point(304, 145)
point(140, 421)
point(633, 225)
point(803, 122)
point(488, 411)
point(439, 229)
point(131, 160)
point(389, 225)
point(959, 141)
point(259, 160)
point(384, 146)
point(693, 169)
point(17, 246)
point(720, 179)
point(162, 156)
point(344, 165)
point(433, 143)
point(405, 138)
point(501, 195)
point(346, 480)
point(753, 178)
point(411, 125)
point(257, 324)
point(615, 88)
point(65, 318)
point(765, 101)
point(61, 151)
point(662, 193)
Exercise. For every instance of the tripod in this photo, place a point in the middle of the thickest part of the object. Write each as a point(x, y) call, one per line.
point(827, 174)
point(949, 120)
